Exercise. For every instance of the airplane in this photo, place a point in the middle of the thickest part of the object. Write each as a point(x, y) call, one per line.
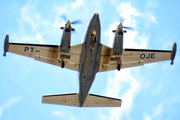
point(88, 58)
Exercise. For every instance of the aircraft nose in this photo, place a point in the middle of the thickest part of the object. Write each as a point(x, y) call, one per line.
point(96, 13)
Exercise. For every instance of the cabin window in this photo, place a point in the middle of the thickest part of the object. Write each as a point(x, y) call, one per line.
point(93, 38)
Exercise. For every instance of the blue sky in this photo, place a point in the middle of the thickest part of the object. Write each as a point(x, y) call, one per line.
point(149, 92)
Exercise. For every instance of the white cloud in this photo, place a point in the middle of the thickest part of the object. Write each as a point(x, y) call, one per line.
point(32, 27)
point(161, 108)
point(153, 18)
point(157, 111)
point(150, 18)
point(65, 115)
point(39, 37)
point(116, 86)
point(127, 11)
point(77, 4)
point(26, 13)
point(147, 118)
point(57, 113)
point(7, 105)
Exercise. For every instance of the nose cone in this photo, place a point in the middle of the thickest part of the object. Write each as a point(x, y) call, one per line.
point(68, 24)
point(120, 26)
point(96, 13)
point(96, 16)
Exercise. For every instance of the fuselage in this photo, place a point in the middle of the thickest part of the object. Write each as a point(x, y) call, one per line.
point(90, 57)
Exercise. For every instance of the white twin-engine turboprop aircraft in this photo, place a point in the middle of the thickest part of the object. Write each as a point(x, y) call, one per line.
point(88, 58)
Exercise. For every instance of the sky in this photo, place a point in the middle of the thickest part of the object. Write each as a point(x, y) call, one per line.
point(149, 92)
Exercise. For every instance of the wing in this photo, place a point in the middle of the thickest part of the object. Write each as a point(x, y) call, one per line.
point(131, 58)
point(47, 53)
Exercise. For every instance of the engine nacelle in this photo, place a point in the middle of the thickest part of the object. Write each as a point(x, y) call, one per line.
point(65, 41)
point(118, 43)
point(66, 37)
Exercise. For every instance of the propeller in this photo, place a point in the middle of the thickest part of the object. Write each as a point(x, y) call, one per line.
point(61, 26)
point(129, 28)
point(63, 16)
point(122, 19)
point(76, 22)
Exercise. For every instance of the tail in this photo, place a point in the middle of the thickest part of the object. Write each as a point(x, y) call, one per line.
point(72, 99)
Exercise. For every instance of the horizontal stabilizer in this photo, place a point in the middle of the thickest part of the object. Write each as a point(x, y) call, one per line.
point(72, 99)
point(93, 100)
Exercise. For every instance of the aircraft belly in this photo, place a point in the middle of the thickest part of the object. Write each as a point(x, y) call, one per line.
point(87, 75)
point(90, 57)
point(88, 71)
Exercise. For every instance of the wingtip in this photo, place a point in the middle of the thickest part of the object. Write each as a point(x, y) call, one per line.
point(4, 54)
point(173, 54)
point(6, 44)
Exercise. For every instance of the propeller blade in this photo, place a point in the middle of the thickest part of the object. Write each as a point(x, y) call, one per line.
point(63, 16)
point(76, 22)
point(129, 28)
point(121, 19)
